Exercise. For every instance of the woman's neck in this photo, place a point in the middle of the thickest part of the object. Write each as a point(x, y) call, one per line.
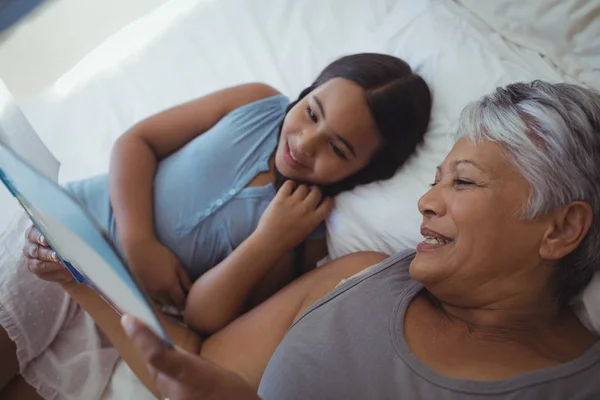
point(529, 321)
point(516, 315)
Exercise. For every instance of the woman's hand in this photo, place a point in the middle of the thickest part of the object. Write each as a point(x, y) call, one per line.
point(293, 215)
point(179, 375)
point(160, 272)
point(41, 260)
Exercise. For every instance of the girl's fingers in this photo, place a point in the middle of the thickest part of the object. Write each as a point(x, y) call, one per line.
point(313, 198)
point(301, 192)
point(286, 189)
point(325, 208)
point(184, 279)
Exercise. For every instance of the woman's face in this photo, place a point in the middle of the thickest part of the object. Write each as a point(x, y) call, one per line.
point(327, 136)
point(474, 236)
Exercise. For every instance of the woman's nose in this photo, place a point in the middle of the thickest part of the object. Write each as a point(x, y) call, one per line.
point(432, 203)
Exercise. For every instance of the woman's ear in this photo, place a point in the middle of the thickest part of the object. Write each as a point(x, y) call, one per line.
point(568, 228)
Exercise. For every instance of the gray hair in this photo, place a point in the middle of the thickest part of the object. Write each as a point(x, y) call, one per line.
point(551, 134)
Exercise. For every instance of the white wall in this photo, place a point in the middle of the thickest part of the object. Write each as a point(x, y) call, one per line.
point(50, 41)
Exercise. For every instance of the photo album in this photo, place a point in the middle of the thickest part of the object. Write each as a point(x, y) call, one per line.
point(74, 235)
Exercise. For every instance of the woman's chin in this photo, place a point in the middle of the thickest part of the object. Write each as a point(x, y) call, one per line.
point(424, 271)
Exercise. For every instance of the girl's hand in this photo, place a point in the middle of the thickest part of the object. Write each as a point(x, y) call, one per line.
point(41, 260)
point(293, 215)
point(160, 272)
point(179, 375)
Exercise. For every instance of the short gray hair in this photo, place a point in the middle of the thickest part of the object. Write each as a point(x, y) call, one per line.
point(551, 133)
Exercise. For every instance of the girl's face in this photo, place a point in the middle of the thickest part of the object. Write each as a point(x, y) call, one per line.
point(327, 136)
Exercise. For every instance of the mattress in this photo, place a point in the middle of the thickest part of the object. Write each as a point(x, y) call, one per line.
point(188, 48)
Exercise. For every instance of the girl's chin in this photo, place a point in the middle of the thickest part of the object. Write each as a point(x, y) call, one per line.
point(281, 167)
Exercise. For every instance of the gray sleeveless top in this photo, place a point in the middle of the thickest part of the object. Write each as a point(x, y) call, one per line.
point(350, 345)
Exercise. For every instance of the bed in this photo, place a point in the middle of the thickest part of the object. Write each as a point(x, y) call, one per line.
point(187, 48)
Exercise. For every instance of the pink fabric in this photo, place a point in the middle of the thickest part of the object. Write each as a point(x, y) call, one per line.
point(61, 352)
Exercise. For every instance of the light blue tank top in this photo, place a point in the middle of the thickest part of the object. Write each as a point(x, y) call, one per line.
point(203, 209)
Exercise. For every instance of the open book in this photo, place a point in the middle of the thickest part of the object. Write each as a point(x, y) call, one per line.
point(73, 234)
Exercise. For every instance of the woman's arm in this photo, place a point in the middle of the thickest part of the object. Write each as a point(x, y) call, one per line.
point(182, 375)
point(132, 169)
point(222, 293)
point(246, 345)
point(109, 321)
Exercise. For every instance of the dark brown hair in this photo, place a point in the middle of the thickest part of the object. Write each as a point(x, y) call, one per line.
point(400, 103)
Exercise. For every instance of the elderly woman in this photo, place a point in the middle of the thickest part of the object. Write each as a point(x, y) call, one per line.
point(481, 310)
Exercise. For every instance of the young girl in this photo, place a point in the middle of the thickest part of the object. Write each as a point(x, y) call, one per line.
point(230, 191)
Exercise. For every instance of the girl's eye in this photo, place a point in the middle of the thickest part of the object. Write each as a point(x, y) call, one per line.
point(311, 114)
point(433, 184)
point(338, 152)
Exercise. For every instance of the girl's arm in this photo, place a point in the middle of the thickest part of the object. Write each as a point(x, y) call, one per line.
point(285, 271)
point(132, 169)
point(221, 294)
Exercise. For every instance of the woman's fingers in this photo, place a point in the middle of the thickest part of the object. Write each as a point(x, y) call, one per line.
point(37, 252)
point(33, 235)
point(175, 364)
point(154, 350)
point(177, 297)
point(56, 276)
point(39, 267)
point(164, 299)
point(182, 375)
point(31, 250)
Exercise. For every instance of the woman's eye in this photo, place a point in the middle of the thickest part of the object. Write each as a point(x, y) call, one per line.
point(457, 182)
point(462, 182)
point(338, 152)
point(311, 114)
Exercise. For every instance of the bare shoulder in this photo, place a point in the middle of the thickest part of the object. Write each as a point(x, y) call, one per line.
point(229, 99)
point(346, 266)
point(254, 91)
point(327, 277)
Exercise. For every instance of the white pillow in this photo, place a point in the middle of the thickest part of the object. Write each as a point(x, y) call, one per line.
point(460, 64)
point(567, 32)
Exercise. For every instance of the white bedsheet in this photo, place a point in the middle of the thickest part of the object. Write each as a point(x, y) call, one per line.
point(187, 48)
